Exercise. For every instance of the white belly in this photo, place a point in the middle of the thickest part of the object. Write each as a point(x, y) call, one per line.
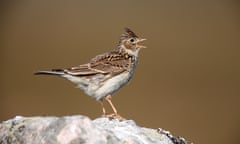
point(97, 90)
point(109, 87)
point(95, 87)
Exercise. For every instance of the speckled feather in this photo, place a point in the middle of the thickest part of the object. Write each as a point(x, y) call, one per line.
point(105, 74)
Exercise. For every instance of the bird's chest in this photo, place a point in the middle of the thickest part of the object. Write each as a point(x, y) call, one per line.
point(103, 85)
point(117, 81)
point(109, 86)
point(121, 79)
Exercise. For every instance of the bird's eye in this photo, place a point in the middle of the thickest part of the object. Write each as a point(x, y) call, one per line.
point(132, 40)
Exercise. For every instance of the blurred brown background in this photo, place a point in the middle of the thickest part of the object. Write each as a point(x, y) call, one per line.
point(187, 81)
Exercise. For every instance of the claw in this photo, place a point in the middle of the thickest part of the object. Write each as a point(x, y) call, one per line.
point(114, 116)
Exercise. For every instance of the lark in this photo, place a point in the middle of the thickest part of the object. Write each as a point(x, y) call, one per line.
point(106, 73)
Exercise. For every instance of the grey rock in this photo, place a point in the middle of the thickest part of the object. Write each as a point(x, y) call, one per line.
point(77, 130)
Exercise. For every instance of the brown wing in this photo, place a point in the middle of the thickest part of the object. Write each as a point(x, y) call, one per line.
point(80, 70)
point(108, 63)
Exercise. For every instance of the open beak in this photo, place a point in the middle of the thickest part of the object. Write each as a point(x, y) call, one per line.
point(141, 46)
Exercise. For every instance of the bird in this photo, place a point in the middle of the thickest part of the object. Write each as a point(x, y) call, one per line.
point(107, 73)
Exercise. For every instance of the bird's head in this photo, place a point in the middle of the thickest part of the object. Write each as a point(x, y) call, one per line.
point(129, 42)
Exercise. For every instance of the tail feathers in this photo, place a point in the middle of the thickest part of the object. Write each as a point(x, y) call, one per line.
point(53, 72)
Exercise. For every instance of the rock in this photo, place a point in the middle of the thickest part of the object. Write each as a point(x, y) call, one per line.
point(77, 130)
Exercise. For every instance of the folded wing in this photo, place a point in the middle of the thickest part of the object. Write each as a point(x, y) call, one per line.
point(103, 64)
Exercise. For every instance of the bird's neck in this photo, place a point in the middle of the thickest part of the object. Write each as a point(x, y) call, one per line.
point(123, 49)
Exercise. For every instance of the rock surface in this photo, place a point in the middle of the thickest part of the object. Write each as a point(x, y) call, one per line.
point(78, 130)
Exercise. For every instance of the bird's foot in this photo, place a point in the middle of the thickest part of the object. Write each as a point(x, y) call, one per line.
point(114, 116)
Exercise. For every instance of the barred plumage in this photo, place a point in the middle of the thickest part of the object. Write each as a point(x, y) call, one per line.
point(105, 74)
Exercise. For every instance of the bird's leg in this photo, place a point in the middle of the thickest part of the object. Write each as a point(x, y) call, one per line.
point(115, 114)
point(108, 99)
point(103, 109)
